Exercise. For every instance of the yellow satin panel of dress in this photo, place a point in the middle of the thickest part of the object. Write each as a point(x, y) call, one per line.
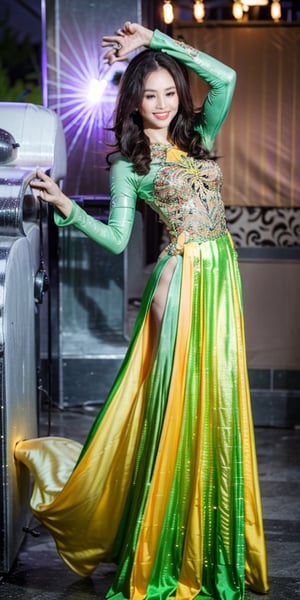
point(92, 500)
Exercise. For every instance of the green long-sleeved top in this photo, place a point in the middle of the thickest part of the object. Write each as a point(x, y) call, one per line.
point(125, 184)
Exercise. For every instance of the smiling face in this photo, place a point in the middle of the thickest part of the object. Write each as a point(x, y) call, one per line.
point(159, 104)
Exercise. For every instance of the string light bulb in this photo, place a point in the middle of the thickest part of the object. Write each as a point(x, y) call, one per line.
point(199, 10)
point(237, 10)
point(168, 12)
point(275, 10)
point(255, 2)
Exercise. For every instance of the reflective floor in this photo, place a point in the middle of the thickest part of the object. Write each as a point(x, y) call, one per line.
point(40, 574)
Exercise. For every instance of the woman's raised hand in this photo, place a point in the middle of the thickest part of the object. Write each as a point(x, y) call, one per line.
point(127, 39)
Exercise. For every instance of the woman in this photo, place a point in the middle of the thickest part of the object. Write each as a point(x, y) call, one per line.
point(166, 484)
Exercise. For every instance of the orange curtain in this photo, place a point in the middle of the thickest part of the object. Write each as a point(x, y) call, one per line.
point(259, 145)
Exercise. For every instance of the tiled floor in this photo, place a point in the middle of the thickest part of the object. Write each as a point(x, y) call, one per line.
point(39, 574)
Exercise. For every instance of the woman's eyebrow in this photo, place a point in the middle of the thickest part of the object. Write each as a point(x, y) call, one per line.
point(172, 87)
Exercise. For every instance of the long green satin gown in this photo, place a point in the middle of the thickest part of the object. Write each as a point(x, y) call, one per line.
point(166, 485)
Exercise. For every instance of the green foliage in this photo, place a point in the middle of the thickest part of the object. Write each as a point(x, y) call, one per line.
point(20, 70)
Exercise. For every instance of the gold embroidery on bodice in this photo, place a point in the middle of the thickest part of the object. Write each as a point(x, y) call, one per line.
point(187, 197)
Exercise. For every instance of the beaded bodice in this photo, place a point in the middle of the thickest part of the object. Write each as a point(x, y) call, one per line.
point(187, 197)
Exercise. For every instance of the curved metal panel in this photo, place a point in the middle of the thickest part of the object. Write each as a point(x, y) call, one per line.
point(40, 142)
point(18, 386)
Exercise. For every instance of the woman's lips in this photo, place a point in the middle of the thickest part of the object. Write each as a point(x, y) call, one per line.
point(161, 116)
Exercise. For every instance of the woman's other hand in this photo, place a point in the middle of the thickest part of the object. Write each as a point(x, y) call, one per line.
point(127, 39)
point(50, 192)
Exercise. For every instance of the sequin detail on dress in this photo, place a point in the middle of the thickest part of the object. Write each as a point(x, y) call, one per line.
point(195, 212)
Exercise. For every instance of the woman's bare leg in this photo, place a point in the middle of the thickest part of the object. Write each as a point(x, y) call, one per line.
point(159, 301)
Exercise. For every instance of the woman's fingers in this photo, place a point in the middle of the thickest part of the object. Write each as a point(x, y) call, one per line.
point(46, 187)
point(116, 49)
point(121, 43)
point(41, 181)
point(42, 175)
point(110, 40)
point(111, 56)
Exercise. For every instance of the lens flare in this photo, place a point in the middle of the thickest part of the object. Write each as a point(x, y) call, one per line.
point(96, 90)
point(82, 89)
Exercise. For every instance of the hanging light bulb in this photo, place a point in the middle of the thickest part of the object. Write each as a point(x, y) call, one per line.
point(255, 2)
point(168, 12)
point(237, 10)
point(275, 10)
point(199, 10)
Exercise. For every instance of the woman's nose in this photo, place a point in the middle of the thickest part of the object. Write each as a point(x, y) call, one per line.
point(160, 102)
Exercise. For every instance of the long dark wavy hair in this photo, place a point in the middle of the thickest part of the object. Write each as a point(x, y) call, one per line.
point(131, 140)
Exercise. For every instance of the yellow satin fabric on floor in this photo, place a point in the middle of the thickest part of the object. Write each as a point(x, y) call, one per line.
point(166, 484)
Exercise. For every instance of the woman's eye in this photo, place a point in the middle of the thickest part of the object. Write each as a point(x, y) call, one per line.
point(149, 96)
point(171, 93)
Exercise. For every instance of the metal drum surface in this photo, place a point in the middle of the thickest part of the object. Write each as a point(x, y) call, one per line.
point(18, 385)
point(31, 136)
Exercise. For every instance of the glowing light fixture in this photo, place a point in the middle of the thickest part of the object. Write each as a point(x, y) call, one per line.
point(275, 10)
point(95, 90)
point(199, 10)
point(238, 10)
point(97, 85)
point(255, 2)
point(168, 12)
point(241, 6)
